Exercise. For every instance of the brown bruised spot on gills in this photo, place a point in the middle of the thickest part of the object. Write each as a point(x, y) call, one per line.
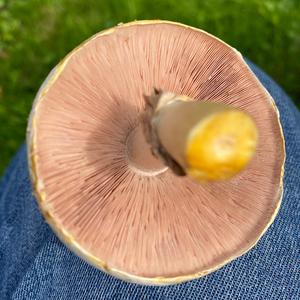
point(150, 226)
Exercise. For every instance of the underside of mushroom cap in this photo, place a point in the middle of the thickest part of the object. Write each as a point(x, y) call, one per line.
point(97, 182)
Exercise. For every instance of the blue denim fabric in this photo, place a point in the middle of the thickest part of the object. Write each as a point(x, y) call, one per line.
point(34, 264)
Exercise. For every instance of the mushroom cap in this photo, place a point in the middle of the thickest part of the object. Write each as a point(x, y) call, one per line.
point(98, 185)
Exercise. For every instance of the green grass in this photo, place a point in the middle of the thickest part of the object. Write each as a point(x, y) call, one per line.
point(35, 35)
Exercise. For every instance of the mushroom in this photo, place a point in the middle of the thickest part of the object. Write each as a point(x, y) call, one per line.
point(100, 187)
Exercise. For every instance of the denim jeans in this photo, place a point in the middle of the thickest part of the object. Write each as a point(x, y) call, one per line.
point(34, 264)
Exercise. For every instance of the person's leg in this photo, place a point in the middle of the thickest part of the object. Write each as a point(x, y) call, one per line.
point(36, 265)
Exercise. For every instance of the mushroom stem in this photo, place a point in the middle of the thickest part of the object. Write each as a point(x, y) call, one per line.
point(205, 140)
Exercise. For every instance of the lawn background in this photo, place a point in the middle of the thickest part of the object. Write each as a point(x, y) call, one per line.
point(36, 34)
